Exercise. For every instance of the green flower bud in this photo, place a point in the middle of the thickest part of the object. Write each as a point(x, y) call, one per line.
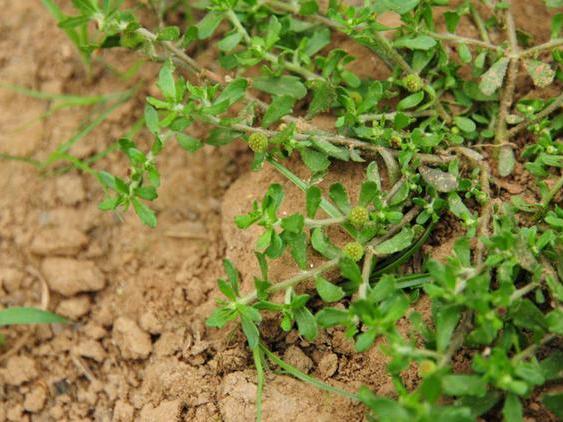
point(358, 216)
point(413, 82)
point(426, 367)
point(354, 251)
point(258, 142)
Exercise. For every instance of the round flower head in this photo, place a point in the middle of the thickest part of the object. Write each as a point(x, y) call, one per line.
point(258, 142)
point(413, 82)
point(354, 251)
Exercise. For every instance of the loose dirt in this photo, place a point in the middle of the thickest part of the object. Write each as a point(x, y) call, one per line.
point(137, 347)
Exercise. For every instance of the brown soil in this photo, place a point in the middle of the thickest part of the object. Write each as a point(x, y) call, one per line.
point(138, 347)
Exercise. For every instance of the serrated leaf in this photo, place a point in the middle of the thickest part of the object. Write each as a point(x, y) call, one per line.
point(440, 180)
point(327, 291)
point(282, 85)
point(422, 42)
point(306, 323)
point(279, 107)
point(331, 150)
point(493, 78)
point(324, 95)
point(207, 26)
point(541, 73)
point(147, 216)
point(393, 169)
point(229, 42)
point(313, 197)
point(166, 81)
point(189, 143)
point(464, 385)
point(316, 161)
point(323, 245)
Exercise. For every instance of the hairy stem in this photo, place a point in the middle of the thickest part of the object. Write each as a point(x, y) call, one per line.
point(292, 281)
point(501, 135)
point(557, 103)
point(464, 40)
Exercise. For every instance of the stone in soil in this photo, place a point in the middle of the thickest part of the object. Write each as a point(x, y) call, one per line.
point(70, 276)
point(62, 241)
point(18, 370)
point(132, 341)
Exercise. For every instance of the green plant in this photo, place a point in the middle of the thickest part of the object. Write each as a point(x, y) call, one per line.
point(27, 315)
point(424, 127)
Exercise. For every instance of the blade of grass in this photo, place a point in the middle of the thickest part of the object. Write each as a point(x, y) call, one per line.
point(291, 370)
point(394, 262)
point(257, 355)
point(26, 315)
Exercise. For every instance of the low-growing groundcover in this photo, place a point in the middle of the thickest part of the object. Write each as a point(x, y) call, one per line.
point(438, 139)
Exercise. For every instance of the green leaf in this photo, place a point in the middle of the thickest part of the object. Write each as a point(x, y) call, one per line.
point(151, 119)
point(541, 73)
point(166, 81)
point(400, 241)
point(492, 79)
point(207, 26)
point(306, 323)
point(512, 409)
point(313, 196)
point(323, 245)
point(282, 85)
point(386, 409)
point(383, 289)
point(350, 270)
point(422, 42)
point(187, 142)
point(251, 332)
point(465, 124)
point(327, 291)
point(339, 196)
point(229, 42)
point(168, 33)
point(279, 107)
point(316, 161)
point(446, 320)
point(411, 101)
point(506, 161)
point(554, 402)
point(552, 366)
point(331, 150)
point(464, 53)
point(147, 216)
point(330, 317)
point(365, 340)
point(554, 321)
point(464, 385)
point(440, 180)
point(452, 20)
point(28, 315)
point(324, 95)
point(233, 92)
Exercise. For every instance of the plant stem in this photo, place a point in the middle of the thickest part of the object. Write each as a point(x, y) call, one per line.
point(523, 291)
point(558, 102)
point(366, 273)
point(483, 228)
point(292, 281)
point(479, 23)
point(463, 40)
point(529, 351)
point(501, 135)
point(539, 48)
point(293, 67)
point(555, 189)
point(324, 222)
point(457, 339)
point(384, 49)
